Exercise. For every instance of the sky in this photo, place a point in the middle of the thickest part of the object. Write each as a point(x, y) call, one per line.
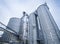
point(14, 8)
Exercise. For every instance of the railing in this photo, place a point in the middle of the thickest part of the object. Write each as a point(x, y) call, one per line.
point(7, 28)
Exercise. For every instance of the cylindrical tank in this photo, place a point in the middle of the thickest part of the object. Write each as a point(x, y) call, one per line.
point(32, 29)
point(47, 25)
point(14, 23)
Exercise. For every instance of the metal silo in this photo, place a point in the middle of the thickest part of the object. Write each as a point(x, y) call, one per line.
point(32, 29)
point(14, 24)
point(48, 25)
point(35, 31)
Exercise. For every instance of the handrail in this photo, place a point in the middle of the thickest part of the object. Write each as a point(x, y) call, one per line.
point(8, 28)
point(9, 31)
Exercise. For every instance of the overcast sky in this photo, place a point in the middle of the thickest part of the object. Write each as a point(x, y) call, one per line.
point(14, 8)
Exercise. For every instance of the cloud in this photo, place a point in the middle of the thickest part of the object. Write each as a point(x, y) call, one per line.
point(14, 8)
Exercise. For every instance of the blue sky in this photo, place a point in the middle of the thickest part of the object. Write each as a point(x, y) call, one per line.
point(14, 8)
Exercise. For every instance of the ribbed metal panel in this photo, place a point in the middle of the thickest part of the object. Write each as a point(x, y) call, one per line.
point(14, 23)
point(49, 32)
point(32, 29)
